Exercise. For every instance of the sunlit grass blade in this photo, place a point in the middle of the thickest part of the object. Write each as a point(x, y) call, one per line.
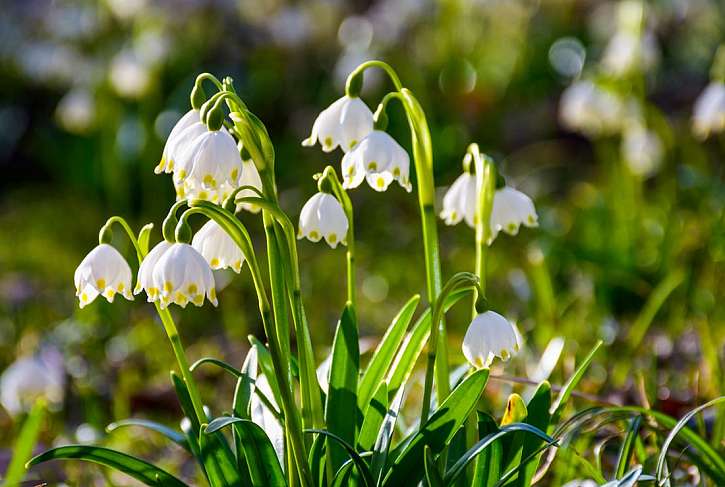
point(558, 407)
point(169, 433)
point(628, 480)
point(264, 358)
point(627, 449)
point(373, 418)
point(23, 447)
point(538, 416)
point(385, 353)
point(342, 476)
point(141, 470)
point(385, 437)
point(438, 431)
point(264, 467)
point(360, 464)
point(432, 475)
point(341, 413)
point(316, 460)
point(488, 462)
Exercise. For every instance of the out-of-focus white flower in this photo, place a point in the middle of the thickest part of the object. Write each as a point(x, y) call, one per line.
point(511, 209)
point(344, 123)
point(209, 162)
point(103, 271)
point(380, 160)
point(145, 279)
point(182, 275)
point(264, 418)
point(250, 177)
point(217, 247)
point(709, 112)
point(76, 111)
point(30, 378)
point(175, 141)
point(627, 52)
point(129, 76)
point(591, 110)
point(488, 336)
point(459, 202)
point(641, 150)
point(323, 216)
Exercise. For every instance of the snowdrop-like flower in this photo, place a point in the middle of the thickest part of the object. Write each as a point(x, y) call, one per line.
point(709, 111)
point(30, 378)
point(182, 275)
point(323, 216)
point(511, 209)
point(380, 160)
point(627, 51)
point(209, 161)
point(591, 110)
point(344, 123)
point(489, 335)
point(250, 177)
point(103, 271)
point(217, 247)
point(145, 279)
point(459, 202)
point(642, 150)
point(190, 118)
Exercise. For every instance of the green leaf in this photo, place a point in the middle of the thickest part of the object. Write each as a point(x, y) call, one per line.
point(139, 469)
point(432, 475)
point(360, 464)
point(341, 408)
point(169, 433)
point(374, 416)
point(459, 467)
point(23, 448)
point(625, 452)
point(316, 460)
point(558, 407)
point(538, 408)
point(219, 363)
point(385, 436)
point(488, 462)
point(342, 476)
point(385, 353)
point(264, 467)
point(438, 431)
point(245, 386)
point(143, 237)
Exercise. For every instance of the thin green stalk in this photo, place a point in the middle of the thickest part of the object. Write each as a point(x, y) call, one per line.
point(486, 184)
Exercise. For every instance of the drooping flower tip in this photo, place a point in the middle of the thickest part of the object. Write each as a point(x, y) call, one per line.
point(459, 202)
point(344, 123)
point(103, 271)
point(488, 336)
point(379, 160)
point(323, 217)
point(511, 209)
point(174, 139)
point(217, 247)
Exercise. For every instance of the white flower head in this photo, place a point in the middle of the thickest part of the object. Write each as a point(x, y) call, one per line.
point(488, 336)
point(190, 118)
point(709, 111)
point(210, 161)
point(642, 150)
point(217, 247)
point(590, 109)
point(145, 279)
point(344, 123)
point(182, 275)
point(323, 216)
point(627, 52)
point(103, 271)
point(380, 160)
point(30, 378)
point(511, 209)
point(459, 202)
point(250, 177)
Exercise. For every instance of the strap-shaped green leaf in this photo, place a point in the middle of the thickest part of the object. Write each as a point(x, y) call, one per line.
point(264, 467)
point(341, 408)
point(385, 437)
point(375, 413)
point(438, 431)
point(432, 475)
point(488, 462)
point(169, 433)
point(538, 408)
point(385, 353)
point(360, 464)
point(625, 452)
point(23, 447)
point(135, 467)
point(558, 407)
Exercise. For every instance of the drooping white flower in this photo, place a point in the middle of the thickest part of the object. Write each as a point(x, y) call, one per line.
point(145, 279)
point(627, 52)
point(209, 162)
point(323, 216)
point(488, 336)
point(175, 138)
point(380, 160)
point(103, 271)
point(709, 111)
point(344, 123)
point(459, 202)
point(641, 150)
point(30, 378)
point(590, 109)
point(182, 275)
point(511, 209)
point(250, 177)
point(217, 247)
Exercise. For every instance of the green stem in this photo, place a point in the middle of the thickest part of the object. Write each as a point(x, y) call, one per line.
point(486, 185)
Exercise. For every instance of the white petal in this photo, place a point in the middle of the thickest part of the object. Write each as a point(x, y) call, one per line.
point(189, 118)
point(217, 247)
point(489, 335)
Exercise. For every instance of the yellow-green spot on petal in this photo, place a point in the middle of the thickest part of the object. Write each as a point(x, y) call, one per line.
point(212, 294)
point(504, 355)
point(170, 165)
point(203, 195)
point(327, 142)
point(182, 174)
point(332, 238)
point(198, 299)
point(237, 265)
point(192, 289)
point(381, 182)
point(121, 287)
point(84, 297)
point(152, 291)
point(314, 235)
point(234, 174)
point(101, 284)
point(353, 143)
point(168, 286)
point(531, 219)
point(214, 262)
point(209, 180)
point(396, 172)
point(511, 227)
point(372, 166)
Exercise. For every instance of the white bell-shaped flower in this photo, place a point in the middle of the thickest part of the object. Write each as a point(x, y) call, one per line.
point(145, 279)
point(709, 112)
point(182, 275)
point(380, 160)
point(30, 378)
point(489, 335)
point(172, 142)
point(103, 271)
point(344, 123)
point(250, 177)
point(217, 247)
point(323, 216)
point(209, 161)
point(511, 209)
point(459, 202)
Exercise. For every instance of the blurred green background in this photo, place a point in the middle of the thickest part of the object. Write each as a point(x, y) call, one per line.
point(631, 242)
